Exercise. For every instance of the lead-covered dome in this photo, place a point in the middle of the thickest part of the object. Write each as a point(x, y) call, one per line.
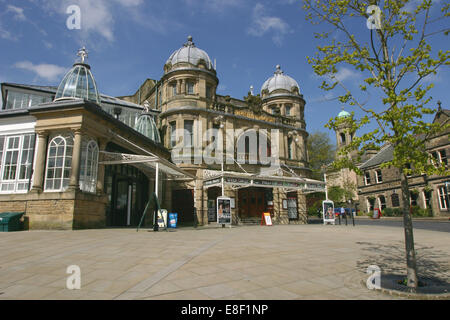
point(279, 82)
point(190, 54)
point(78, 83)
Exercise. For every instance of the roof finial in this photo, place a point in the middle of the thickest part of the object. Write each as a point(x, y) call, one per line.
point(189, 42)
point(251, 90)
point(439, 105)
point(83, 54)
point(278, 71)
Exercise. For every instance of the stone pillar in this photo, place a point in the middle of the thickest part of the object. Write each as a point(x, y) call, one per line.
point(76, 161)
point(101, 167)
point(183, 86)
point(38, 176)
point(302, 208)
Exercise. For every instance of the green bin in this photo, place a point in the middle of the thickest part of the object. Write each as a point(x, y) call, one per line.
point(10, 221)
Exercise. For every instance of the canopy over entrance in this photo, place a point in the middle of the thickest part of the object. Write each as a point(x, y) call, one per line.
point(239, 180)
point(146, 163)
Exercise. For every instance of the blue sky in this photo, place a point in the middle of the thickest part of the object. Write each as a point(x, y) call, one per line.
point(130, 40)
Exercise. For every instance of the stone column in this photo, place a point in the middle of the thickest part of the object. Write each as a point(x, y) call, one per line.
point(183, 86)
point(101, 167)
point(76, 161)
point(38, 176)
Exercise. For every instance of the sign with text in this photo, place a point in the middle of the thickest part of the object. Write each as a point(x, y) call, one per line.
point(223, 210)
point(266, 219)
point(328, 212)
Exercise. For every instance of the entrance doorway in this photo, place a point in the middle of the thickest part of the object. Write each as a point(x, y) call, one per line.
point(127, 190)
point(252, 202)
point(183, 204)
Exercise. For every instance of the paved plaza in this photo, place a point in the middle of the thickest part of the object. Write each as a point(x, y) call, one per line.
point(246, 262)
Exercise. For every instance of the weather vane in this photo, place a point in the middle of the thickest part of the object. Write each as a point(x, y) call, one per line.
point(83, 54)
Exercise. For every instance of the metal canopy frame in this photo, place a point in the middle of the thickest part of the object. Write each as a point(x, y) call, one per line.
point(147, 162)
point(245, 180)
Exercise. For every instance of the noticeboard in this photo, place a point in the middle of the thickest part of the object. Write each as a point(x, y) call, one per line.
point(328, 212)
point(266, 219)
point(223, 210)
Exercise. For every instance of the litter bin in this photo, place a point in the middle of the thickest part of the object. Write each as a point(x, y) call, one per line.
point(376, 214)
point(10, 221)
point(173, 218)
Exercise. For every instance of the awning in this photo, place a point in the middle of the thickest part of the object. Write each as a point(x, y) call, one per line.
point(239, 180)
point(152, 162)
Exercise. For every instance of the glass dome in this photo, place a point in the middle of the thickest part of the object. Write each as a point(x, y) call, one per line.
point(78, 83)
point(146, 126)
point(343, 114)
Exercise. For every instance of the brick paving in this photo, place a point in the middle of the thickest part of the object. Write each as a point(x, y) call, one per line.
point(247, 262)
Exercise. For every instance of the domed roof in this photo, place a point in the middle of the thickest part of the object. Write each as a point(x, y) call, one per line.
point(279, 81)
point(189, 53)
point(147, 127)
point(78, 82)
point(343, 114)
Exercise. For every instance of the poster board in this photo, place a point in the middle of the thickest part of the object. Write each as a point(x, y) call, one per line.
point(328, 212)
point(162, 218)
point(266, 219)
point(224, 210)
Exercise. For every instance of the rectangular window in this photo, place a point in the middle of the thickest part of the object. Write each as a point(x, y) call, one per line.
point(190, 87)
point(395, 200)
point(16, 155)
point(174, 90)
point(208, 92)
point(189, 133)
point(287, 110)
point(173, 134)
point(379, 176)
point(290, 148)
point(367, 178)
point(443, 198)
point(443, 156)
point(19, 100)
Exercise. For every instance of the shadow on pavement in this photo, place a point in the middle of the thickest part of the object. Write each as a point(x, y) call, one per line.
point(432, 266)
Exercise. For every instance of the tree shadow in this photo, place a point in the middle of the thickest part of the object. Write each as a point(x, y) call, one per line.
point(433, 265)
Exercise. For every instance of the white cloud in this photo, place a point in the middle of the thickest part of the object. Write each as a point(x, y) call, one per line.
point(263, 24)
point(18, 12)
point(346, 73)
point(49, 72)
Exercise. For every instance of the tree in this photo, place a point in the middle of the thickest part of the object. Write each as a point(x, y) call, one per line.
point(320, 153)
point(394, 56)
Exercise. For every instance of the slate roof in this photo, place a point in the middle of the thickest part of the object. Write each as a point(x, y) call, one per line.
point(385, 154)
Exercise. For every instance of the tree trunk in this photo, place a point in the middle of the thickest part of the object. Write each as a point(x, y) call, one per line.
point(409, 237)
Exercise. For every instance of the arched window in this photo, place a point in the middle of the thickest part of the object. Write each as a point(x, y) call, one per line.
point(382, 201)
point(89, 166)
point(59, 163)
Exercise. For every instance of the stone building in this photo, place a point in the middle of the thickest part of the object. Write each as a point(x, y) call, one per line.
point(74, 158)
point(380, 187)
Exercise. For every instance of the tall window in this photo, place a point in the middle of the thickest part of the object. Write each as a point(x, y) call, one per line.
point(343, 140)
point(287, 109)
point(367, 178)
point(59, 163)
point(190, 87)
point(379, 176)
point(382, 200)
point(188, 133)
point(443, 156)
point(443, 198)
point(16, 159)
point(395, 200)
point(290, 153)
point(173, 134)
point(174, 89)
point(89, 166)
